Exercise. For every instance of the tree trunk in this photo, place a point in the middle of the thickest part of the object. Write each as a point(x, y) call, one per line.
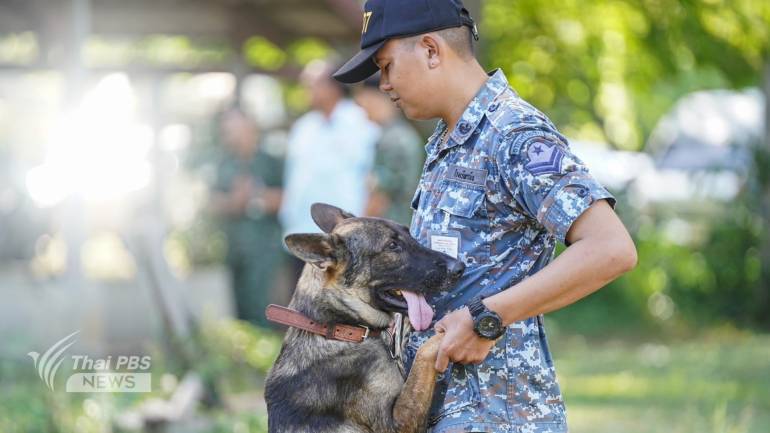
point(763, 168)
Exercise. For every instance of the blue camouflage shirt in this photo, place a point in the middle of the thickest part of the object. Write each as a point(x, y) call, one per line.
point(499, 195)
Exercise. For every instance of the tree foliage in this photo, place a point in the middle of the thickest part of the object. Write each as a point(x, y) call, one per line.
point(608, 69)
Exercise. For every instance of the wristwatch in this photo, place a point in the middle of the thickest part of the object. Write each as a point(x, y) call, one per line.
point(486, 323)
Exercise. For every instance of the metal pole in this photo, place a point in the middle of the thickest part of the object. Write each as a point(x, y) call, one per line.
point(81, 29)
point(74, 228)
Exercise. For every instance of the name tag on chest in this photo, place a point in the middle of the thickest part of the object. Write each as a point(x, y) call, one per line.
point(446, 242)
point(473, 176)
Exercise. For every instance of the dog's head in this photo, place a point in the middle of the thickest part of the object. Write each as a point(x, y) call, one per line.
point(373, 267)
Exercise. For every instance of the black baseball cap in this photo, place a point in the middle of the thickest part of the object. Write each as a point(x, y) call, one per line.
point(387, 19)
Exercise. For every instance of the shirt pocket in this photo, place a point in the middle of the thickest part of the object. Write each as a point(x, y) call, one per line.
point(463, 210)
point(456, 389)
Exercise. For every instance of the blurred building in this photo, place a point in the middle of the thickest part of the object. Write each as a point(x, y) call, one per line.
point(104, 116)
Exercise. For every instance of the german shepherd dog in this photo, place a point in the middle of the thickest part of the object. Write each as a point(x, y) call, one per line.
point(359, 272)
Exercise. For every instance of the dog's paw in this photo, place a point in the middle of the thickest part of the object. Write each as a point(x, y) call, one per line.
point(429, 349)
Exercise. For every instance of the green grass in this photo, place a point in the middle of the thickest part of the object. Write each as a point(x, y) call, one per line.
point(706, 385)
point(709, 384)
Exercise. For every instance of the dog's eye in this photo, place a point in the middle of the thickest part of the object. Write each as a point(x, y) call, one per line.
point(393, 245)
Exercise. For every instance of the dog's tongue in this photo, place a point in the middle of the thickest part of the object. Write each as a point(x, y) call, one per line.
point(420, 313)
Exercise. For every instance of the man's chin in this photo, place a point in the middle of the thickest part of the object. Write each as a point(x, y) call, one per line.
point(413, 114)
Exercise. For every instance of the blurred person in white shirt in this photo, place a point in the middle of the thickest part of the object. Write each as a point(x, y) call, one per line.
point(330, 153)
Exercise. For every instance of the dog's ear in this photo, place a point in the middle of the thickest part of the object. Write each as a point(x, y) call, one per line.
point(314, 248)
point(327, 216)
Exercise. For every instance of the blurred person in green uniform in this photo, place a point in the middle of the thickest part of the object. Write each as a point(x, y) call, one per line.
point(247, 196)
point(398, 156)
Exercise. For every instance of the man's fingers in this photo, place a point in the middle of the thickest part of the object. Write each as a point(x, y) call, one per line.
point(440, 326)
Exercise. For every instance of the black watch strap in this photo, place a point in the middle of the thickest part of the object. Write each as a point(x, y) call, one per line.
point(476, 306)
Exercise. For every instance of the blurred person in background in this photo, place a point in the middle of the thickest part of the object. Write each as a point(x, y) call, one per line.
point(329, 156)
point(247, 196)
point(398, 157)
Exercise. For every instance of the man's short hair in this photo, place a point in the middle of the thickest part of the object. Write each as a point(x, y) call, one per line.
point(459, 39)
point(325, 68)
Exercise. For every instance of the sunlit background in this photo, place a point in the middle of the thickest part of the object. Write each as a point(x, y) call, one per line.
point(108, 150)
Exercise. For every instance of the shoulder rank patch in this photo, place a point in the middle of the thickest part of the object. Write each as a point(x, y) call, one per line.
point(543, 158)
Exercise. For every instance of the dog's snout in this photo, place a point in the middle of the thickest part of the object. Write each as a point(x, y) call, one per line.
point(455, 268)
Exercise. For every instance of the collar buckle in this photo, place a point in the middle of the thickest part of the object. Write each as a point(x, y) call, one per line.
point(366, 331)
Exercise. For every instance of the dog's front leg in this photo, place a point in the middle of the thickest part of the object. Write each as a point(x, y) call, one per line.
point(410, 413)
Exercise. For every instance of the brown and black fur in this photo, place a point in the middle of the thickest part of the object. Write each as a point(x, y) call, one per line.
point(323, 386)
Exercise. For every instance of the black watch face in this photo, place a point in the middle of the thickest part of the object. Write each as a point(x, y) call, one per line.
point(489, 326)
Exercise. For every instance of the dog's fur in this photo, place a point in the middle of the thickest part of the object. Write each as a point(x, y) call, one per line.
point(319, 385)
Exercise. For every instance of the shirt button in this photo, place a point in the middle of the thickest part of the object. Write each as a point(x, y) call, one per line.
point(582, 192)
point(493, 107)
point(464, 128)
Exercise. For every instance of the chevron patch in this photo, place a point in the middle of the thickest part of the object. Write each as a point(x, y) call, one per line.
point(544, 158)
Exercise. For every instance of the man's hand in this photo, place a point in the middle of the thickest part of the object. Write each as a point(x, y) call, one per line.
point(460, 343)
point(241, 192)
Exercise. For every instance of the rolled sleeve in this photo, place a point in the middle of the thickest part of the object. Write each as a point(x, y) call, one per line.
point(547, 181)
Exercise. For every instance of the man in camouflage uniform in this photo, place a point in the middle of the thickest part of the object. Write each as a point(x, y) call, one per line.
point(500, 187)
point(246, 197)
point(398, 156)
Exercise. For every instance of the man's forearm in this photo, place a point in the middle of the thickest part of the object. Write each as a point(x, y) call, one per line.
point(584, 267)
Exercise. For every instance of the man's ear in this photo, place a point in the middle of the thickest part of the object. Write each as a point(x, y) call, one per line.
point(430, 43)
point(314, 248)
point(327, 216)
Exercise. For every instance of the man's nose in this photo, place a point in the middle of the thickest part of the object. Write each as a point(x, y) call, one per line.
point(385, 85)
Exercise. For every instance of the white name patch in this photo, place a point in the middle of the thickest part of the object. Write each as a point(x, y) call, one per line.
point(447, 243)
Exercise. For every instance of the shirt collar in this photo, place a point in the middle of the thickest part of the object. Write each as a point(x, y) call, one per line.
point(474, 112)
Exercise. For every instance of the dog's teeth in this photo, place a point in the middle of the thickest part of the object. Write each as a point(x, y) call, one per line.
point(398, 292)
